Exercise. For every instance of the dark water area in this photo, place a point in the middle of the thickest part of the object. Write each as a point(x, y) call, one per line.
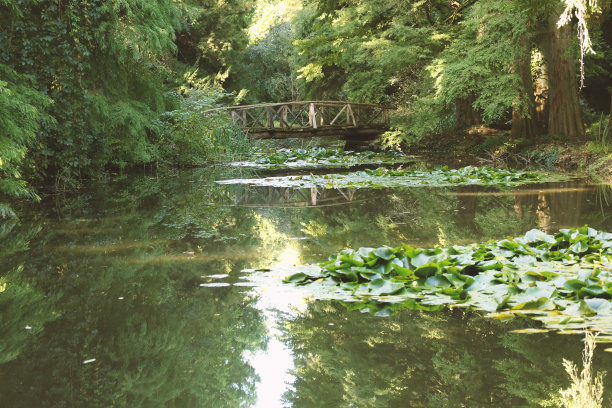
point(132, 293)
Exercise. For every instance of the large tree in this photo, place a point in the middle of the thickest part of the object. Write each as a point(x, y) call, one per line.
point(564, 115)
point(477, 56)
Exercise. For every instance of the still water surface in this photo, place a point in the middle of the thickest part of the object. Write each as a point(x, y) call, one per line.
point(133, 293)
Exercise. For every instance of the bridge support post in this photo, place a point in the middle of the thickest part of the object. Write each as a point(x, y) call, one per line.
point(284, 123)
point(312, 116)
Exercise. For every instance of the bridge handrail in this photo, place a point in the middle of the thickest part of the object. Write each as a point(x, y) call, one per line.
point(297, 103)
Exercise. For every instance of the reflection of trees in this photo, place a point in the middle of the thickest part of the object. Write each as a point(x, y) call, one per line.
point(24, 309)
point(559, 205)
point(418, 216)
point(166, 343)
point(24, 312)
point(432, 359)
point(443, 216)
point(129, 297)
point(169, 342)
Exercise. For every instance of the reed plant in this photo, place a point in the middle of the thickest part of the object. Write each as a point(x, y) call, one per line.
point(586, 389)
point(600, 136)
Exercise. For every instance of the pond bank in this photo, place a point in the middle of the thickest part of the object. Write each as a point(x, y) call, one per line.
point(493, 147)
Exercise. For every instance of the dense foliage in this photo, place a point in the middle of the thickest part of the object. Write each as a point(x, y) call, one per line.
point(84, 85)
point(20, 115)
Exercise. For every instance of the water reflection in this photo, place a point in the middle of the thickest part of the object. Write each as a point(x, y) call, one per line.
point(150, 334)
point(288, 197)
point(426, 359)
point(115, 274)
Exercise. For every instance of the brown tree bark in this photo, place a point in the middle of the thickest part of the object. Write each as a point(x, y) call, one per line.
point(465, 115)
point(524, 117)
point(564, 116)
point(610, 120)
point(541, 96)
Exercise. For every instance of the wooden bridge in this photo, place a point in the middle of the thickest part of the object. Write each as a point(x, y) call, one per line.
point(311, 118)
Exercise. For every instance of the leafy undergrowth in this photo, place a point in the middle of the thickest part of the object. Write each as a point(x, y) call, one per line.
point(320, 157)
point(383, 177)
point(563, 280)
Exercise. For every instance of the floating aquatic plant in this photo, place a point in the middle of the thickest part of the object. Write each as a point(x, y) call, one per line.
point(564, 280)
point(321, 157)
point(383, 177)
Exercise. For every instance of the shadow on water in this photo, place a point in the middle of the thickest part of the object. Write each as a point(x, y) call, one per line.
point(104, 298)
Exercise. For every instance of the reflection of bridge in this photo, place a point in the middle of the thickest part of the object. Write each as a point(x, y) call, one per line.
point(288, 197)
point(311, 118)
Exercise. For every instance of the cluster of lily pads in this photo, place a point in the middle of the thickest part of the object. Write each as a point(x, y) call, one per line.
point(384, 177)
point(318, 154)
point(321, 157)
point(464, 175)
point(564, 280)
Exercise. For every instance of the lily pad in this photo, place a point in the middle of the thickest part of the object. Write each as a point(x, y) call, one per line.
point(515, 276)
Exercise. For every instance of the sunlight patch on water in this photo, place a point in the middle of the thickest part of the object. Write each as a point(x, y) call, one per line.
point(87, 249)
point(274, 365)
point(273, 368)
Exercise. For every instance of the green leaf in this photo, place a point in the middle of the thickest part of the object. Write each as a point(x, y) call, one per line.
point(401, 271)
point(426, 270)
point(351, 260)
point(537, 304)
point(420, 259)
point(296, 278)
point(580, 308)
point(365, 252)
point(437, 282)
point(574, 285)
point(384, 287)
point(384, 253)
point(536, 235)
point(579, 247)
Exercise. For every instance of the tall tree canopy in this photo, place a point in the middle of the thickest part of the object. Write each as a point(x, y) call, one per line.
point(454, 64)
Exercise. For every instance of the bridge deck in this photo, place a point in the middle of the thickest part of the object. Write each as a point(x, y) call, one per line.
point(310, 118)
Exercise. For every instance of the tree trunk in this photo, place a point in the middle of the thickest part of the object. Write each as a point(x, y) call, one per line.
point(610, 120)
point(564, 117)
point(465, 115)
point(523, 112)
point(541, 94)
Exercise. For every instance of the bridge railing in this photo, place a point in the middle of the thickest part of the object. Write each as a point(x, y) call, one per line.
point(309, 114)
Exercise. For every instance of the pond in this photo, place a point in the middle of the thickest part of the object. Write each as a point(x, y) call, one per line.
point(137, 292)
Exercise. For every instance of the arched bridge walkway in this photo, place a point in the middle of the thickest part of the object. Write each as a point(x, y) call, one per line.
point(311, 118)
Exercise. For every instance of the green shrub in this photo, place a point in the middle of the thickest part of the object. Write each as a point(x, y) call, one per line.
point(199, 135)
point(21, 110)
